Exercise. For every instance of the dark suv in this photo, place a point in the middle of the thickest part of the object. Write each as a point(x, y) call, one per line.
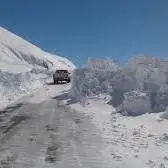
point(61, 75)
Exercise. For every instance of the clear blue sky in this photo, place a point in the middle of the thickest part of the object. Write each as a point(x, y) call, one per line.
point(80, 29)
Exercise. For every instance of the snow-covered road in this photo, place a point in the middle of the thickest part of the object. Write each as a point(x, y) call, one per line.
point(41, 125)
point(43, 132)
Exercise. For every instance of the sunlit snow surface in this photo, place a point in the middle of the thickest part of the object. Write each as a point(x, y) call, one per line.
point(24, 67)
point(129, 141)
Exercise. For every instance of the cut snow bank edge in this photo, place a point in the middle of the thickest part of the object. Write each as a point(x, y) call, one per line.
point(14, 86)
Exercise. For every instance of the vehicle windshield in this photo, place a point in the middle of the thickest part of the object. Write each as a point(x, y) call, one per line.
point(61, 71)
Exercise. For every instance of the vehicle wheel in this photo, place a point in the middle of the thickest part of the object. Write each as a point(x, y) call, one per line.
point(55, 82)
point(68, 81)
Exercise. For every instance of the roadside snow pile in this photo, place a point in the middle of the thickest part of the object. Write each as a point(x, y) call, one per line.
point(123, 81)
point(13, 86)
point(139, 87)
point(136, 103)
point(93, 80)
point(24, 67)
point(165, 114)
point(159, 99)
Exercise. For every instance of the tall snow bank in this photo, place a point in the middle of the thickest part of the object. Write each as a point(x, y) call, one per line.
point(159, 99)
point(123, 81)
point(24, 67)
point(136, 103)
point(13, 86)
point(147, 75)
point(165, 114)
point(93, 80)
point(151, 72)
point(152, 76)
point(103, 77)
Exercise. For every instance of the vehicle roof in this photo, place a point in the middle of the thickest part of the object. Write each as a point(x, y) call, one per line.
point(61, 70)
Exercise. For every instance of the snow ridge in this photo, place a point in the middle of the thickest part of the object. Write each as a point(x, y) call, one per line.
point(24, 67)
point(16, 52)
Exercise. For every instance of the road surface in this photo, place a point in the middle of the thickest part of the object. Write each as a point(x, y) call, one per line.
point(42, 132)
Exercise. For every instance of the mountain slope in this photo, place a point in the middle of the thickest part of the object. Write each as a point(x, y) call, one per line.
point(24, 67)
point(18, 55)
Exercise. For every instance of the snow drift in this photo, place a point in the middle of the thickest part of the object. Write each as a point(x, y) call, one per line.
point(23, 66)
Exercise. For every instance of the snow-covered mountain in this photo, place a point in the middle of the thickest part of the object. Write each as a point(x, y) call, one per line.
point(18, 55)
point(24, 67)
